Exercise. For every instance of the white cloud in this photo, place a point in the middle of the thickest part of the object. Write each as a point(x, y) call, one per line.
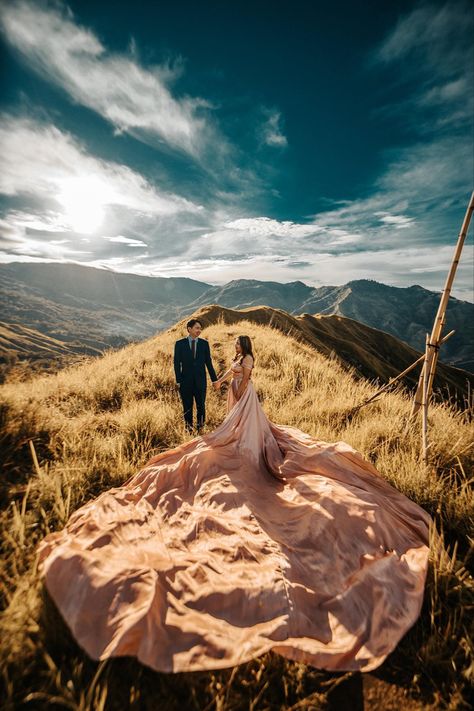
point(271, 133)
point(47, 221)
point(133, 98)
point(17, 241)
point(40, 160)
point(262, 226)
point(398, 221)
point(127, 240)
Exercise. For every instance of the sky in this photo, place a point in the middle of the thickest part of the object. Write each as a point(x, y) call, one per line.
point(273, 140)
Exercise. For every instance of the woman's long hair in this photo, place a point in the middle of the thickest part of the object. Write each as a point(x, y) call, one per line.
point(246, 345)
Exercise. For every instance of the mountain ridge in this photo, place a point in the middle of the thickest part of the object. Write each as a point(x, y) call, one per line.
point(70, 302)
point(370, 353)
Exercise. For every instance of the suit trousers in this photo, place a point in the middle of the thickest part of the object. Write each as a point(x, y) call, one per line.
point(190, 393)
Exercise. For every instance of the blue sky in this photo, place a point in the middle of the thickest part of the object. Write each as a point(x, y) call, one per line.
point(323, 142)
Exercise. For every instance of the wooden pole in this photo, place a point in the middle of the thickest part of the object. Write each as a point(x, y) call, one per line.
point(397, 377)
point(424, 412)
point(434, 341)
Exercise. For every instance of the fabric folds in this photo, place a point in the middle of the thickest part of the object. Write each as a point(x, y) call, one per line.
point(254, 537)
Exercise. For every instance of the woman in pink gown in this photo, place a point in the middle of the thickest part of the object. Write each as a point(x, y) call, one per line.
point(254, 537)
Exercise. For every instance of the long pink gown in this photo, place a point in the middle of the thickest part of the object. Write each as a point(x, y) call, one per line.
point(255, 537)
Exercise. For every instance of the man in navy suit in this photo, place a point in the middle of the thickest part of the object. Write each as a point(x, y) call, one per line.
point(192, 356)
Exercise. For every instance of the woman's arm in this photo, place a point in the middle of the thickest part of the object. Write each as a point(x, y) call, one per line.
point(247, 365)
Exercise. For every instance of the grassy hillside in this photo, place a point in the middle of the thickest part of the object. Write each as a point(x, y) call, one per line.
point(94, 425)
point(371, 353)
point(19, 342)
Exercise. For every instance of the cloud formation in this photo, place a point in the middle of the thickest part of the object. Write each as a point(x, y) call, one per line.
point(271, 133)
point(40, 160)
point(404, 217)
point(432, 46)
point(65, 191)
point(133, 98)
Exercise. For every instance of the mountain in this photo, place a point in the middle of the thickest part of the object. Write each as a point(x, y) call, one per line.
point(101, 308)
point(241, 293)
point(405, 312)
point(94, 308)
point(371, 353)
point(73, 283)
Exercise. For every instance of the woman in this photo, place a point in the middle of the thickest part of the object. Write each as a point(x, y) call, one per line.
point(239, 371)
point(253, 537)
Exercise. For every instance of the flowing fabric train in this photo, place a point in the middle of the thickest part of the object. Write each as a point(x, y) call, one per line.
point(250, 538)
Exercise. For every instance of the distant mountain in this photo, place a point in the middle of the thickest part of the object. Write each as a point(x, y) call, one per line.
point(243, 293)
point(93, 308)
point(372, 353)
point(100, 308)
point(73, 283)
point(405, 312)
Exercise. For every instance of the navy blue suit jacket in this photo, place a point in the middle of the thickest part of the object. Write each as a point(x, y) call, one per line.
point(191, 372)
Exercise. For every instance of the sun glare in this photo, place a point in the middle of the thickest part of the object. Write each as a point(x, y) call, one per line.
point(84, 200)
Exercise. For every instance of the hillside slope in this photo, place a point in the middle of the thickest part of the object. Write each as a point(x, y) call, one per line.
point(372, 353)
point(20, 341)
point(94, 425)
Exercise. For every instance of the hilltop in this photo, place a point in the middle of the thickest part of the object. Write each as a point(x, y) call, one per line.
point(93, 425)
point(369, 352)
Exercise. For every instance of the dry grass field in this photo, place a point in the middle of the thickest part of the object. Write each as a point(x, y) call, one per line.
point(68, 436)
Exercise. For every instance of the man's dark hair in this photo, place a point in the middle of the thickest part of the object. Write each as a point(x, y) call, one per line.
point(193, 321)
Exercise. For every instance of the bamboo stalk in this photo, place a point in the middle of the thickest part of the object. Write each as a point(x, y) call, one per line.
point(435, 339)
point(424, 412)
point(400, 375)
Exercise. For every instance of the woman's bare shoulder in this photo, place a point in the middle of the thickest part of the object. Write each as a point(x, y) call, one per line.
point(248, 361)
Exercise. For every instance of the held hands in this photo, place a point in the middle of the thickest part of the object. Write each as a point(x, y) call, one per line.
point(216, 385)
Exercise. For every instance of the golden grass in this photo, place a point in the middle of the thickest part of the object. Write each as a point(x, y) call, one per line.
point(94, 425)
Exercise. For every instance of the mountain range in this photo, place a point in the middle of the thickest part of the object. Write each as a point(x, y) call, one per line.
point(90, 309)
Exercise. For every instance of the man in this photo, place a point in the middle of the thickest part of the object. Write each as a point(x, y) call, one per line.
point(192, 356)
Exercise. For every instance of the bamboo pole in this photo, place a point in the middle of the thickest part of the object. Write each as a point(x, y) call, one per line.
point(424, 412)
point(397, 377)
point(435, 339)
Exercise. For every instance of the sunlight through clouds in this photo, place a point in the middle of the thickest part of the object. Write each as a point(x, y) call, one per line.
point(157, 146)
point(41, 161)
point(84, 200)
